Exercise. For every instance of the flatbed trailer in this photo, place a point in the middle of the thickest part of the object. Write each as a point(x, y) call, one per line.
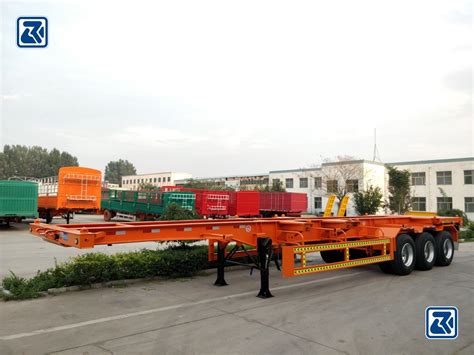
point(399, 244)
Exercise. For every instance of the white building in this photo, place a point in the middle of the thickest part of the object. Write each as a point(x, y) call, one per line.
point(237, 182)
point(442, 184)
point(318, 183)
point(132, 182)
point(437, 185)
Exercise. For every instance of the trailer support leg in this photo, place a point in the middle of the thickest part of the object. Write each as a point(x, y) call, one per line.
point(264, 249)
point(68, 217)
point(220, 281)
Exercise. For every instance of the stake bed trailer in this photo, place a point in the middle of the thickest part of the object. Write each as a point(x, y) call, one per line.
point(397, 243)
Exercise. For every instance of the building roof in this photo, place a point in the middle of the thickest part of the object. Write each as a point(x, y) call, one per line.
point(359, 161)
point(226, 177)
point(451, 160)
point(294, 170)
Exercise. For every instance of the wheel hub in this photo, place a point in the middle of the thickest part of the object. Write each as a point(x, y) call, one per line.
point(407, 255)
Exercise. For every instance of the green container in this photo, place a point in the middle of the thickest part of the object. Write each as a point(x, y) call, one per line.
point(186, 200)
point(150, 203)
point(18, 199)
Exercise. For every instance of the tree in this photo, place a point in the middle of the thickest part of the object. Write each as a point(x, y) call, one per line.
point(399, 200)
point(37, 162)
point(147, 186)
point(206, 185)
point(368, 201)
point(277, 186)
point(175, 212)
point(116, 169)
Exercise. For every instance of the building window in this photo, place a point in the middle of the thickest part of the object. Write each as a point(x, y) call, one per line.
point(154, 179)
point(352, 185)
point(318, 182)
point(169, 178)
point(318, 203)
point(469, 177)
point(289, 183)
point(445, 204)
point(276, 182)
point(303, 182)
point(418, 203)
point(443, 178)
point(469, 204)
point(332, 186)
point(418, 179)
point(159, 179)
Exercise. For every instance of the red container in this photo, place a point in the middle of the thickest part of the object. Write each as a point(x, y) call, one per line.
point(211, 202)
point(283, 202)
point(244, 203)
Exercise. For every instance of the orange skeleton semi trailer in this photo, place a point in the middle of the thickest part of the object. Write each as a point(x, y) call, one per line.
point(74, 189)
point(398, 244)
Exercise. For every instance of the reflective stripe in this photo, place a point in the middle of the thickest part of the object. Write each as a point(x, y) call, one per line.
point(340, 245)
point(341, 265)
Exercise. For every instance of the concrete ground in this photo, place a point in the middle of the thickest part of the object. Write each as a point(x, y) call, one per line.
point(355, 311)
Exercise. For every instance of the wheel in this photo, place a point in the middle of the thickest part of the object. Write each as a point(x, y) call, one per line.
point(405, 257)
point(48, 217)
point(444, 248)
point(107, 215)
point(332, 256)
point(425, 251)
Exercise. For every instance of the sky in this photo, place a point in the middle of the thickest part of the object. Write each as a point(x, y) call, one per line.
point(239, 87)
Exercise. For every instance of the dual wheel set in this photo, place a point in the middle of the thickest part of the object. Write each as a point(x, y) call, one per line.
point(422, 252)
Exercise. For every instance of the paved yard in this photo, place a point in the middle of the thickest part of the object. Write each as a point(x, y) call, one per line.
point(360, 311)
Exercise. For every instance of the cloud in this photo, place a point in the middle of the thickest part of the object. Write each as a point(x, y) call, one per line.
point(460, 80)
point(10, 97)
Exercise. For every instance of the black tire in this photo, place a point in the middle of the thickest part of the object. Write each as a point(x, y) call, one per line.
point(444, 248)
point(48, 217)
point(425, 251)
point(405, 256)
point(332, 256)
point(107, 215)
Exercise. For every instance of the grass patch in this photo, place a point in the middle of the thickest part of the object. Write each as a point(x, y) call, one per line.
point(173, 262)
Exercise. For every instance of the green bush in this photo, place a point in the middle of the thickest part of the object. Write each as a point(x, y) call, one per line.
point(455, 213)
point(468, 233)
point(180, 261)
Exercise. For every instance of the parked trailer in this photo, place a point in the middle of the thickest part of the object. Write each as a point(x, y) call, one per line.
point(244, 203)
point(399, 244)
point(211, 203)
point(142, 205)
point(283, 203)
point(74, 189)
point(18, 200)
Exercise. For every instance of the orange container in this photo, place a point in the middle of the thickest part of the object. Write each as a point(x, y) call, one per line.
point(75, 188)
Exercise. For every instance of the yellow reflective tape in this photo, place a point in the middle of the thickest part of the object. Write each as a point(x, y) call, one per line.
point(340, 245)
point(341, 265)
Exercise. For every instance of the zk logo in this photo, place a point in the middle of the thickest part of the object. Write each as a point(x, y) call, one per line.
point(32, 32)
point(441, 322)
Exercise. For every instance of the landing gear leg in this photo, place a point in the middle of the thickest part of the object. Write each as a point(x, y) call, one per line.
point(220, 281)
point(265, 250)
point(68, 217)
